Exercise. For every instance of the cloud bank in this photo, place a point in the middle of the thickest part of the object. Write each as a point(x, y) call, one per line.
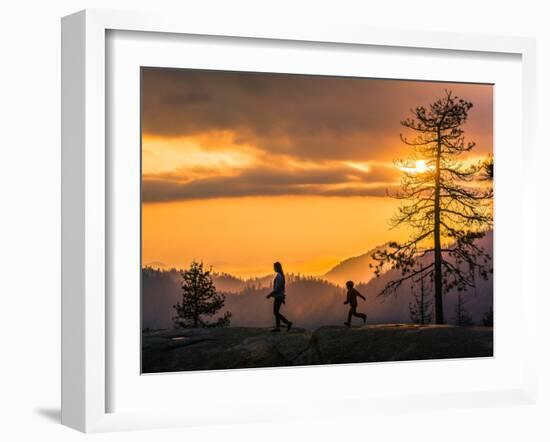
point(305, 135)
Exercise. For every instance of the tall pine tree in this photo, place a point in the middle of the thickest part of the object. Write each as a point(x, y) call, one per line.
point(447, 205)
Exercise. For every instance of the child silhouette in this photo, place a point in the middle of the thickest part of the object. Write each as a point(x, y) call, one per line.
point(351, 299)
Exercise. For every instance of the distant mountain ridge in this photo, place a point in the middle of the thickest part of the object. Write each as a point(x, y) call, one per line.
point(356, 269)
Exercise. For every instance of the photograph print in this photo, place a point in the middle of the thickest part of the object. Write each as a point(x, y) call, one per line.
point(297, 220)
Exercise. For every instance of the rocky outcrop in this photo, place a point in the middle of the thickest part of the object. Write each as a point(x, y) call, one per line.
point(241, 347)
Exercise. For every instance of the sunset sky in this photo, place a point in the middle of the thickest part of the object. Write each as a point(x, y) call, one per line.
point(244, 169)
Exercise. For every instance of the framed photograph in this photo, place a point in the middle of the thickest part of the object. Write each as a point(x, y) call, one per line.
point(247, 208)
point(335, 198)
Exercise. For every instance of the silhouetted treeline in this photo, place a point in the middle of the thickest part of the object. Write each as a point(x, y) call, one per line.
point(312, 301)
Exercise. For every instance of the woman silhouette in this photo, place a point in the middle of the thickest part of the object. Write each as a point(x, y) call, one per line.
point(278, 294)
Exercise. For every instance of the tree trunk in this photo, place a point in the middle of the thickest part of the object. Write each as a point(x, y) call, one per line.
point(438, 277)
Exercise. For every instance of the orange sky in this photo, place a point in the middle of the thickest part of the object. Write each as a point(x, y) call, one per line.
point(243, 169)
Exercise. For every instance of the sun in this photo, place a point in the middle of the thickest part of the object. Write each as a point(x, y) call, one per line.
point(419, 166)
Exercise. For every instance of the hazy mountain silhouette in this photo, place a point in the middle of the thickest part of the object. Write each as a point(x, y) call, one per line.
point(161, 290)
point(355, 269)
point(311, 302)
point(225, 282)
point(159, 265)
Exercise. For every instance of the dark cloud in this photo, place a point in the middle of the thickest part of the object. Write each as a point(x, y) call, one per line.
point(338, 181)
point(308, 117)
point(321, 123)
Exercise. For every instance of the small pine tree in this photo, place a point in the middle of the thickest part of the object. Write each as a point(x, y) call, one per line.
point(462, 317)
point(199, 299)
point(420, 310)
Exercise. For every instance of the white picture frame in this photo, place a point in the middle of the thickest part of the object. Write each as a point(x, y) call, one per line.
point(86, 204)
